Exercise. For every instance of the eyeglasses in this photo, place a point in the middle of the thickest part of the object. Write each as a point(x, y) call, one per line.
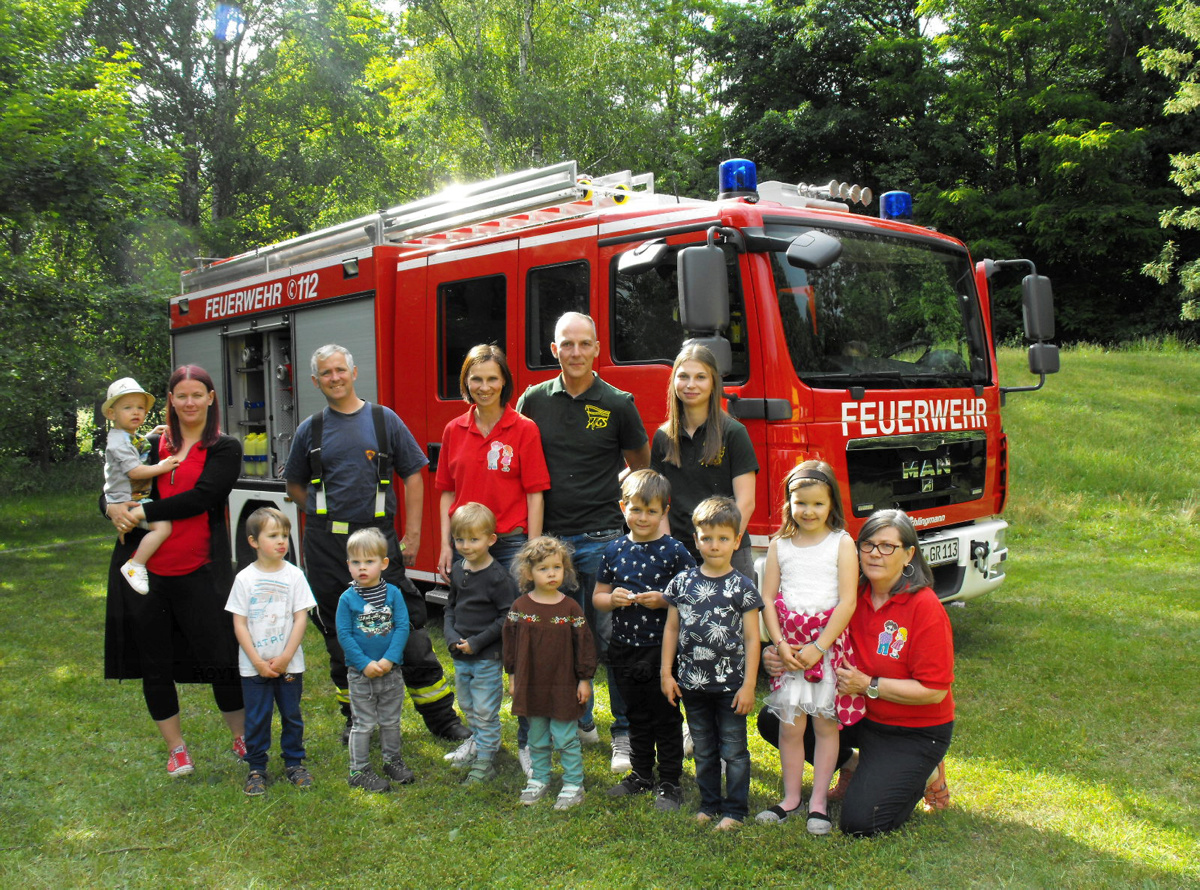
point(884, 548)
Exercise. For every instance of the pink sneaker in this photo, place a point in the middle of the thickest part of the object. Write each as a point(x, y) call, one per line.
point(239, 747)
point(180, 762)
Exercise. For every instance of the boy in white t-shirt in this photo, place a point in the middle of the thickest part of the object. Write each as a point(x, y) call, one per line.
point(270, 600)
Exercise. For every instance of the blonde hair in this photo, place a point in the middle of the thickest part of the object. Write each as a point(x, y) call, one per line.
point(538, 550)
point(714, 425)
point(472, 517)
point(803, 475)
point(367, 542)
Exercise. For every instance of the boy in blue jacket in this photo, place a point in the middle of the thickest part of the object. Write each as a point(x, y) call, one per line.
point(372, 626)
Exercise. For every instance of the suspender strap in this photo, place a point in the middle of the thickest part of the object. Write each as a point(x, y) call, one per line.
point(315, 469)
point(383, 461)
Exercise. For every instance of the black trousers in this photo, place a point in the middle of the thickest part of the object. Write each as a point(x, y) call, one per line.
point(654, 723)
point(894, 763)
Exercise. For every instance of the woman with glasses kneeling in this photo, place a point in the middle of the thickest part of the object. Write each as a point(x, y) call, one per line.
point(905, 652)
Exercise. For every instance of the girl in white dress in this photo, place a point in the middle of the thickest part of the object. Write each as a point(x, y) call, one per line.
point(811, 576)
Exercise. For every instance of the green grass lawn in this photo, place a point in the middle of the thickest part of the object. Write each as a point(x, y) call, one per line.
point(1075, 763)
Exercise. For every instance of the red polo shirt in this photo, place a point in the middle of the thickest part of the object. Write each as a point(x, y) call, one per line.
point(909, 638)
point(497, 470)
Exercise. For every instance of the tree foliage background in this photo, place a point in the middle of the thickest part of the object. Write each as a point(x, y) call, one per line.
point(135, 137)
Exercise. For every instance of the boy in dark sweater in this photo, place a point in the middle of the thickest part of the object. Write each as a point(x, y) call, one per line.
point(481, 593)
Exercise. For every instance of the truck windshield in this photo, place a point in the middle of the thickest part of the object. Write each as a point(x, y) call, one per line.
point(892, 312)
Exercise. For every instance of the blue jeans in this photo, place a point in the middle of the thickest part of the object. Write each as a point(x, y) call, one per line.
point(262, 695)
point(718, 733)
point(506, 548)
point(479, 683)
point(546, 736)
point(375, 701)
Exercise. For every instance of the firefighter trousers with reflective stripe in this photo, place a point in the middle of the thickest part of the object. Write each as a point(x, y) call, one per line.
point(328, 576)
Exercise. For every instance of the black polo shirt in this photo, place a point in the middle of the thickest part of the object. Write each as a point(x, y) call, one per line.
point(583, 438)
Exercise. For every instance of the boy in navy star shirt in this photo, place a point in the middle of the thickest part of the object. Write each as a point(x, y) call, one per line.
point(632, 575)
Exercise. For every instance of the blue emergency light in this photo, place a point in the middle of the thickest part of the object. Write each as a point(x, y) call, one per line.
point(738, 179)
point(896, 205)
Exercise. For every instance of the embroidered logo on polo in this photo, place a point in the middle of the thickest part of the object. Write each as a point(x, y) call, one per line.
point(597, 417)
point(500, 457)
point(891, 639)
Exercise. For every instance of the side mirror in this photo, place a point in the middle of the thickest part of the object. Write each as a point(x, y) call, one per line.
point(1043, 358)
point(1037, 307)
point(703, 289)
point(813, 250)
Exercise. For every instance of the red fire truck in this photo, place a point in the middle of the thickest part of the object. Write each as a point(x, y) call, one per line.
point(864, 341)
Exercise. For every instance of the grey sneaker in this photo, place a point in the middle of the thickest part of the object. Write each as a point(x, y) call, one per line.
point(630, 785)
point(481, 771)
point(398, 772)
point(589, 735)
point(570, 796)
point(526, 759)
point(621, 752)
point(462, 756)
point(369, 780)
point(668, 797)
point(533, 792)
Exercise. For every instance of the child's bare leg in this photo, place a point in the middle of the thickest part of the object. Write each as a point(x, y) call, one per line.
point(824, 761)
point(159, 532)
point(791, 761)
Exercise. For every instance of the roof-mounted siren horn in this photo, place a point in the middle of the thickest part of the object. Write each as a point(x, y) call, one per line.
point(738, 178)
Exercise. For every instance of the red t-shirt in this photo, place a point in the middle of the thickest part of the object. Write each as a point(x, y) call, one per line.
point(497, 470)
point(187, 549)
point(908, 639)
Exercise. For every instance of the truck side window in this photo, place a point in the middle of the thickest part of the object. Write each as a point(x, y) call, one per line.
point(645, 322)
point(549, 292)
point(470, 312)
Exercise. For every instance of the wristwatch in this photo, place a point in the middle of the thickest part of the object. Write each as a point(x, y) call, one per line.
point(873, 688)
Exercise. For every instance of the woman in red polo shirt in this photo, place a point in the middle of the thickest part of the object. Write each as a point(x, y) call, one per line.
point(491, 455)
point(180, 632)
point(905, 651)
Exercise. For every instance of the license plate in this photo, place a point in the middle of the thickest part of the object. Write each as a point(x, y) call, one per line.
point(938, 553)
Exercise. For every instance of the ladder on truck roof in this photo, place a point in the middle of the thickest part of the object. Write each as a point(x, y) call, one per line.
point(531, 197)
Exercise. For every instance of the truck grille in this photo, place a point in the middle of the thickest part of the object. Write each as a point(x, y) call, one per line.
point(916, 472)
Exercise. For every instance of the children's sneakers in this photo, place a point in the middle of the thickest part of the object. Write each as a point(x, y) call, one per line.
point(256, 783)
point(369, 780)
point(180, 762)
point(481, 771)
point(668, 797)
point(137, 577)
point(630, 785)
point(298, 776)
point(589, 735)
point(239, 747)
point(570, 796)
point(462, 756)
point(533, 792)
point(398, 772)
point(621, 753)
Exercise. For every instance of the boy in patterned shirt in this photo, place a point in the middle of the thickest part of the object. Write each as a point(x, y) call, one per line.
point(710, 659)
point(633, 572)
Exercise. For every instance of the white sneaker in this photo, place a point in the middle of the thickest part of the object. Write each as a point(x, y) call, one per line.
point(570, 796)
point(526, 759)
point(621, 752)
point(462, 756)
point(589, 736)
point(533, 792)
point(137, 576)
point(688, 748)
